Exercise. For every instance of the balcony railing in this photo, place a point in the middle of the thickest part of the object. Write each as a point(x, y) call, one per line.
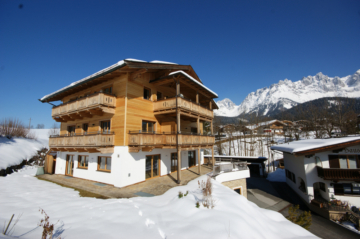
point(338, 173)
point(226, 167)
point(168, 104)
point(91, 101)
point(92, 139)
point(138, 138)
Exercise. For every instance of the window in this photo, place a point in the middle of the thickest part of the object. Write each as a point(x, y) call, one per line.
point(108, 90)
point(159, 96)
point(152, 166)
point(104, 164)
point(148, 127)
point(238, 190)
point(347, 188)
point(85, 128)
point(290, 175)
point(344, 161)
point(105, 127)
point(83, 161)
point(322, 186)
point(147, 93)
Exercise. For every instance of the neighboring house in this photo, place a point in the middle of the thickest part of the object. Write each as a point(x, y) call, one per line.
point(272, 126)
point(232, 171)
point(132, 121)
point(323, 169)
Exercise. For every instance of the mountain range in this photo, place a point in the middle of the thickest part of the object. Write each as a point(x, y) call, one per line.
point(286, 94)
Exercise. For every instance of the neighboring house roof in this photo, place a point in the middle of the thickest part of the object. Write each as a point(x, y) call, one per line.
point(309, 146)
point(132, 63)
point(255, 126)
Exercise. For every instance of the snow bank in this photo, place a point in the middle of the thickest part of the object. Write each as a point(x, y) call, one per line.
point(14, 151)
point(164, 216)
point(277, 176)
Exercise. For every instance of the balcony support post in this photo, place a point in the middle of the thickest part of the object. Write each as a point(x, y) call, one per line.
point(197, 97)
point(177, 131)
point(199, 161)
point(211, 127)
point(210, 105)
point(178, 165)
point(212, 156)
point(198, 125)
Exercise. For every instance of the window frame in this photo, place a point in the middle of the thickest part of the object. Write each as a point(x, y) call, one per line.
point(322, 186)
point(101, 128)
point(146, 88)
point(147, 126)
point(337, 157)
point(69, 132)
point(79, 161)
point(110, 87)
point(157, 96)
point(152, 164)
point(87, 129)
point(106, 163)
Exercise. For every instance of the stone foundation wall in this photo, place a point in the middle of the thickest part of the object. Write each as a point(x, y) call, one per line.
point(237, 184)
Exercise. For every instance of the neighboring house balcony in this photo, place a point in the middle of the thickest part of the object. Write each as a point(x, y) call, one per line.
point(147, 141)
point(91, 142)
point(339, 174)
point(187, 107)
point(229, 171)
point(86, 107)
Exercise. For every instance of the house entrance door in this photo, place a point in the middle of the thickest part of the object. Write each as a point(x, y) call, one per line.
point(192, 160)
point(174, 162)
point(69, 165)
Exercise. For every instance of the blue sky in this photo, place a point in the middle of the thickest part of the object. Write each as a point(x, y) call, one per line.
point(235, 47)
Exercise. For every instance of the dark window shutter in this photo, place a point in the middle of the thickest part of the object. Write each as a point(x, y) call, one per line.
point(358, 161)
point(334, 161)
point(338, 188)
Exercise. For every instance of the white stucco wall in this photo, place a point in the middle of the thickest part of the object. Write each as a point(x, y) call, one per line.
point(126, 169)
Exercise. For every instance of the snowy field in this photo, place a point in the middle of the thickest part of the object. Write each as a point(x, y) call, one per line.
point(164, 216)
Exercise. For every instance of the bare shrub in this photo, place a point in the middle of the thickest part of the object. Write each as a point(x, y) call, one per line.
point(13, 127)
point(206, 188)
point(48, 228)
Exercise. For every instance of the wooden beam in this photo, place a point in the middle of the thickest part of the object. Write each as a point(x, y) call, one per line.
point(96, 112)
point(137, 74)
point(199, 161)
point(179, 165)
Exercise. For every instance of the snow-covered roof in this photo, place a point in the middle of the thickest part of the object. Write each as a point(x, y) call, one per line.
point(192, 79)
point(254, 126)
point(235, 157)
point(309, 144)
point(103, 71)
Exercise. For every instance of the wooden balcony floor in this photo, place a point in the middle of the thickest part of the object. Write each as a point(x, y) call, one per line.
point(155, 186)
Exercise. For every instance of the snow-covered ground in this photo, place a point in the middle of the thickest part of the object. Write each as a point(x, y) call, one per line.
point(277, 176)
point(13, 151)
point(164, 216)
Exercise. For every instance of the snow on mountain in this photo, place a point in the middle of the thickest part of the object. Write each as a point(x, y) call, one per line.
point(287, 94)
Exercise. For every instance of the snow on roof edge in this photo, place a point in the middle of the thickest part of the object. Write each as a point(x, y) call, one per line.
point(308, 144)
point(191, 78)
point(118, 64)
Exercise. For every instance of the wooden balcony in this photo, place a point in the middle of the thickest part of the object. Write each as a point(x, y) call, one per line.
point(91, 142)
point(96, 104)
point(169, 106)
point(148, 141)
point(339, 174)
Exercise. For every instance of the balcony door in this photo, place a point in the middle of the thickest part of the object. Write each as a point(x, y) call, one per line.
point(69, 169)
point(152, 166)
point(174, 162)
point(192, 158)
point(71, 130)
point(105, 127)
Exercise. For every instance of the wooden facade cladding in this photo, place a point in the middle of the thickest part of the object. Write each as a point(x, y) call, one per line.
point(169, 140)
point(84, 107)
point(169, 105)
point(338, 174)
point(82, 143)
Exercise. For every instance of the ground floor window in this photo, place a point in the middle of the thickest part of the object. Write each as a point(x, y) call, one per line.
point(83, 161)
point(174, 162)
point(290, 175)
point(104, 164)
point(192, 158)
point(152, 166)
point(69, 168)
point(347, 188)
point(238, 190)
